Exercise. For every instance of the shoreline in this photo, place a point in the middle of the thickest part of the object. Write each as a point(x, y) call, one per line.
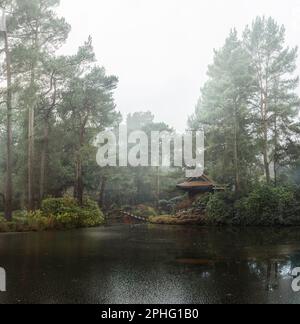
point(211, 226)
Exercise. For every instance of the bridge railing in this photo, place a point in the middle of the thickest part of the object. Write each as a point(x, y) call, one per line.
point(140, 218)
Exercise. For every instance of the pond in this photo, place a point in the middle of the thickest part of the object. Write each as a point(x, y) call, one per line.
point(151, 264)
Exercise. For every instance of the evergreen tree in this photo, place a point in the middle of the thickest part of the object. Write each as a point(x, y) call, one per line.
point(87, 108)
point(274, 103)
point(223, 113)
point(38, 33)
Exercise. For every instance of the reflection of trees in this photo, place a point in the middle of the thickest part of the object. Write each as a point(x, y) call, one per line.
point(272, 275)
point(271, 272)
point(139, 264)
point(249, 263)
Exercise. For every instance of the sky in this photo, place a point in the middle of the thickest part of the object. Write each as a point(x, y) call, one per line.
point(160, 49)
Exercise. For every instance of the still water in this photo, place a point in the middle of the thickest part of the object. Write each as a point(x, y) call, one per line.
point(151, 264)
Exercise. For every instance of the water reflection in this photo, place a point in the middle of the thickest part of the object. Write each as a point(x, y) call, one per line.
point(151, 264)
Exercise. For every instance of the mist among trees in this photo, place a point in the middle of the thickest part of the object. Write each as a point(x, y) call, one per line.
point(249, 108)
point(53, 106)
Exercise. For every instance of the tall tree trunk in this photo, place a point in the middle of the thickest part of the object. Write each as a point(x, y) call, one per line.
point(31, 154)
point(236, 152)
point(157, 187)
point(102, 190)
point(79, 187)
point(31, 116)
point(264, 126)
point(44, 160)
point(266, 151)
point(9, 186)
point(44, 153)
point(275, 152)
point(79, 181)
point(139, 186)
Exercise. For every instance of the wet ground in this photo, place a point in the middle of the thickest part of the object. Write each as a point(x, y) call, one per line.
point(151, 264)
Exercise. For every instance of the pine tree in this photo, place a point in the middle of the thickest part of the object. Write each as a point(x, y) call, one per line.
point(222, 111)
point(87, 108)
point(8, 196)
point(39, 33)
point(274, 103)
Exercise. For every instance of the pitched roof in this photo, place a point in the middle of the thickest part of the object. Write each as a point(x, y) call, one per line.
point(201, 183)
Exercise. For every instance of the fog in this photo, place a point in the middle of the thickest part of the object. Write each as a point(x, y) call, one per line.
point(160, 49)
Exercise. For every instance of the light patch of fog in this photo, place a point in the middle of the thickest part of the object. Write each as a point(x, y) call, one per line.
point(160, 49)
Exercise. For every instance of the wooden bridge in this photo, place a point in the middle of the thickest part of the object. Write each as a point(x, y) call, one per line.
point(120, 217)
point(139, 218)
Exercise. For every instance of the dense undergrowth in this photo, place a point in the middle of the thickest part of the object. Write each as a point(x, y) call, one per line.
point(55, 214)
point(264, 205)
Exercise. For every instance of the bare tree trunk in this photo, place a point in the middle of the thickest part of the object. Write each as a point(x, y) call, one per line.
point(139, 186)
point(236, 153)
point(79, 187)
point(44, 160)
point(79, 181)
point(102, 190)
point(31, 117)
point(276, 152)
point(264, 125)
point(44, 153)
point(30, 155)
point(3, 198)
point(266, 152)
point(157, 187)
point(9, 186)
point(30, 161)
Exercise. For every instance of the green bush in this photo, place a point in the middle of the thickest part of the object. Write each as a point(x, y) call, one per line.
point(67, 213)
point(202, 201)
point(55, 213)
point(169, 206)
point(90, 214)
point(23, 223)
point(144, 211)
point(220, 208)
point(165, 206)
point(37, 221)
point(267, 205)
point(55, 206)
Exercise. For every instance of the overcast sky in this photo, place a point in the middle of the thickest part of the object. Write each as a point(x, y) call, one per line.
point(160, 49)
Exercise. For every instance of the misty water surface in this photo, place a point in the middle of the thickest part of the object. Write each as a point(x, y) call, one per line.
point(151, 264)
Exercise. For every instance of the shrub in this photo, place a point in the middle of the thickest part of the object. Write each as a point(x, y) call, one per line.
point(55, 206)
point(37, 221)
point(144, 211)
point(176, 200)
point(4, 227)
point(220, 208)
point(68, 214)
point(202, 201)
point(170, 206)
point(90, 214)
point(267, 205)
point(60, 213)
point(165, 206)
